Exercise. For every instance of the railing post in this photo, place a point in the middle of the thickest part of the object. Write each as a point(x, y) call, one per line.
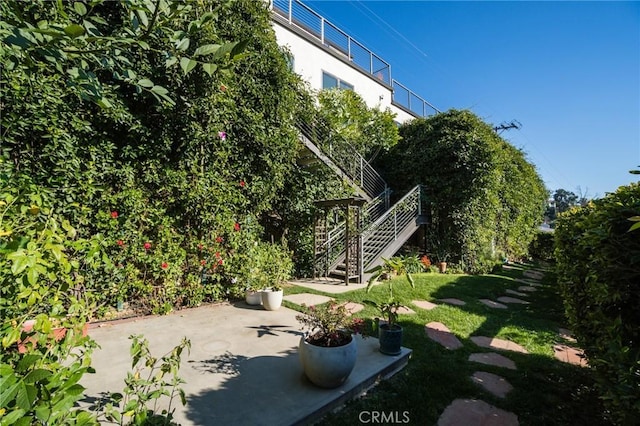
point(322, 30)
point(395, 224)
point(362, 173)
point(290, 11)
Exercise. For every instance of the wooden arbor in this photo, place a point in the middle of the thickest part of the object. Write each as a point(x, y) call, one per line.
point(338, 248)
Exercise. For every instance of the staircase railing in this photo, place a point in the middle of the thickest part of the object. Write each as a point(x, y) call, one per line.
point(387, 228)
point(344, 156)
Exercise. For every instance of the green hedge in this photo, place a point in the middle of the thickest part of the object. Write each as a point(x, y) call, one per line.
point(598, 260)
point(541, 248)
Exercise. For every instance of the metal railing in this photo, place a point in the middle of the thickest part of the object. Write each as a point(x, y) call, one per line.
point(409, 100)
point(345, 157)
point(303, 17)
point(387, 228)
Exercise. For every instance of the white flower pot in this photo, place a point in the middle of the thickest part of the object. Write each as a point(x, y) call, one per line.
point(271, 300)
point(253, 298)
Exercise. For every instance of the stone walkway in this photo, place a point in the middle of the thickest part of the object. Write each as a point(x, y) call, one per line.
point(470, 412)
point(463, 412)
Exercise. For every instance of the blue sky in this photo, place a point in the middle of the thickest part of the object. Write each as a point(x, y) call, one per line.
point(568, 71)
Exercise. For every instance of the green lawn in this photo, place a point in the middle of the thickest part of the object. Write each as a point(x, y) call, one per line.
point(546, 391)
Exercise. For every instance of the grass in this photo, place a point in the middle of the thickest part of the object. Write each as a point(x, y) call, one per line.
point(546, 391)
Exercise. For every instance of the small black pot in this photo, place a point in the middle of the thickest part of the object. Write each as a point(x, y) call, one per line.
point(390, 339)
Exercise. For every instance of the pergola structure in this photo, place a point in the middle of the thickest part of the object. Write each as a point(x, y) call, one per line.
point(350, 244)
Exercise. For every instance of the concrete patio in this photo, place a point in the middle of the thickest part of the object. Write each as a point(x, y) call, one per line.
point(243, 368)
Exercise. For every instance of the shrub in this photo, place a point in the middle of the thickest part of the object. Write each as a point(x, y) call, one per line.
point(598, 262)
point(541, 248)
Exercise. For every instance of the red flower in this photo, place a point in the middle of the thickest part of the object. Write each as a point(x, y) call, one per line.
point(219, 239)
point(114, 214)
point(199, 246)
point(164, 265)
point(242, 183)
point(220, 262)
point(147, 245)
point(202, 262)
point(121, 243)
point(218, 255)
point(236, 226)
point(223, 88)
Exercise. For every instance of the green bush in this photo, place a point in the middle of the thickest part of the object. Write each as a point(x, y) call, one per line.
point(541, 248)
point(486, 198)
point(598, 263)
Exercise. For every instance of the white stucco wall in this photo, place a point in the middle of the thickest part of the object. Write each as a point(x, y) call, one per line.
point(311, 60)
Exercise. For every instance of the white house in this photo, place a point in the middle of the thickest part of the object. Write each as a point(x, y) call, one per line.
point(326, 57)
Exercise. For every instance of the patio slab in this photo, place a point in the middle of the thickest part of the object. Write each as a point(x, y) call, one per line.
point(239, 355)
point(327, 285)
point(307, 299)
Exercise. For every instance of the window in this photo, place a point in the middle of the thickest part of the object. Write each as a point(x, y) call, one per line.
point(329, 82)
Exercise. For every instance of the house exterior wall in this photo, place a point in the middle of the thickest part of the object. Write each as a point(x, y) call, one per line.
point(311, 58)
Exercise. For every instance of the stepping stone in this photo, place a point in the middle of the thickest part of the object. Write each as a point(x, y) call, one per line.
point(307, 299)
point(511, 267)
point(516, 293)
point(492, 304)
point(456, 302)
point(530, 273)
point(492, 358)
point(506, 299)
point(570, 355)
point(495, 343)
point(492, 383)
point(474, 412)
point(352, 307)
point(438, 332)
point(528, 282)
point(423, 304)
point(527, 288)
point(566, 335)
point(406, 311)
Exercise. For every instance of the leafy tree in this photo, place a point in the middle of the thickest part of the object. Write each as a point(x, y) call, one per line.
point(486, 198)
point(369, 130)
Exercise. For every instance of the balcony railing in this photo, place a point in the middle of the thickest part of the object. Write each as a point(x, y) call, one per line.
point(306, 19)
point(408, 100)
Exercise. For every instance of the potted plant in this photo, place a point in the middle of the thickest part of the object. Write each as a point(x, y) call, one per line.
point(273, 268)
point(395, 266)
point(389, 331)
point(328, 350)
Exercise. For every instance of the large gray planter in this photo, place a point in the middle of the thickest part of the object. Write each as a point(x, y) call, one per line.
point(327, 367)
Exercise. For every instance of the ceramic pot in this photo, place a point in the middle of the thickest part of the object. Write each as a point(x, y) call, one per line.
point(390, 339)
point(271, 300)
point(253, 298)
point(327, 367)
